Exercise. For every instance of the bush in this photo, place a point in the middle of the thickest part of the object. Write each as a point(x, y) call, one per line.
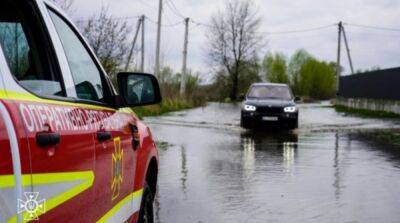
point(317, 79)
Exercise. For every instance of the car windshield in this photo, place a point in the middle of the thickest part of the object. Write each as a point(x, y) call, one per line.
point(270, 92)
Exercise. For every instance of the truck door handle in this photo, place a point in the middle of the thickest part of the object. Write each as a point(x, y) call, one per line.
point(46, 139)
point(103, 136)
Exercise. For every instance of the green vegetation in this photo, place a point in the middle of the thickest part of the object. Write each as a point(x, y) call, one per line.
point(308, 77)
point(172, 101)
point(165, 107)
point(389, 137)
point(366, 113)
point(275, 65)
point(393, 137)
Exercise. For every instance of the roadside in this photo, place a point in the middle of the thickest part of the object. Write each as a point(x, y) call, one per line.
point(386, 136)
point(366, 113)
point(169, 105)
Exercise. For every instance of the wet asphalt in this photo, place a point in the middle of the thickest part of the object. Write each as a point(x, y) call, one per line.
point(211, 170)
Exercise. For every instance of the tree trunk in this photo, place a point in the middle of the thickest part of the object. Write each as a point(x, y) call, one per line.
point(235, 82)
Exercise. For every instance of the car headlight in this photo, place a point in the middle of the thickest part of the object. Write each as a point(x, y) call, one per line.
point(250, 108)
point(290, 109)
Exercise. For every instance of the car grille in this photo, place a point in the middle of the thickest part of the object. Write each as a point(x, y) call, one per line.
point(270, 110)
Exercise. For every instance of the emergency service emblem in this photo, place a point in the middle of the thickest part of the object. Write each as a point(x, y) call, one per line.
point(117, 166)
point(32, 206)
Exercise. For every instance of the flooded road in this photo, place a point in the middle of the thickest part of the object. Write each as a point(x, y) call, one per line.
point(213, 171)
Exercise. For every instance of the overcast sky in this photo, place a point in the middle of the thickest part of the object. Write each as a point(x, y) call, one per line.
point(369, 47)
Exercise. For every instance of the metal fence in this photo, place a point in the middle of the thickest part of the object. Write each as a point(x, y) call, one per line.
point(382, 84)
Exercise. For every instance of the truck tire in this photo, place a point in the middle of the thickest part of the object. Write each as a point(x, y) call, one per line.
point(146, 214)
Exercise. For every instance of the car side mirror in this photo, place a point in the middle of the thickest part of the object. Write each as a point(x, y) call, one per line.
point(242, 97)
point(297, 99)
point(139, 89)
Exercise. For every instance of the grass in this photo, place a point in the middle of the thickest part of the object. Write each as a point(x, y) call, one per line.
point(168, 105)
point(391, 136)
point(366, 113)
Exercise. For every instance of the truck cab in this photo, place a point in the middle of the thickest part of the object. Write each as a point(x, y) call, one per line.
point(71, 149)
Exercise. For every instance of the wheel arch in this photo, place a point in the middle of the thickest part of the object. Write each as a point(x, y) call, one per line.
point(152, 175)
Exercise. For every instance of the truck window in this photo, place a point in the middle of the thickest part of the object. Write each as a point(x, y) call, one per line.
point(26, 49)
point(86, 75)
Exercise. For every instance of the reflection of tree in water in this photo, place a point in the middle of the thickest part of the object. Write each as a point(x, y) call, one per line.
point(184, 170)
point(337, 181)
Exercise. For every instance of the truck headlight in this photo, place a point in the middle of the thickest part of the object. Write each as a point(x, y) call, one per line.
point(290, 109)
point(250, 108)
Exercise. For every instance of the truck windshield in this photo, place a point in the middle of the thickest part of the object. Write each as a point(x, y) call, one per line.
point(270, 92)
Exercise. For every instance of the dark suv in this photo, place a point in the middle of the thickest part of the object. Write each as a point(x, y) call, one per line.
point(268, 104)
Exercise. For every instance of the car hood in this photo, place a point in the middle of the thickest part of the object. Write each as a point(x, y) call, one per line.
point(270, 102)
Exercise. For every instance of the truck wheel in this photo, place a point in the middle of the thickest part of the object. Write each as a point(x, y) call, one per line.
point(146, 214)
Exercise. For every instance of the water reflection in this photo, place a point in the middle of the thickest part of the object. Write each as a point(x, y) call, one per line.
point(279, 147)
point(184, 170)
point(336, 167)
point(230, 175)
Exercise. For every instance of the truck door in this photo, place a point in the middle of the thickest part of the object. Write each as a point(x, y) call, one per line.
point(61, 144)
point(115, 159)
point(7, 193)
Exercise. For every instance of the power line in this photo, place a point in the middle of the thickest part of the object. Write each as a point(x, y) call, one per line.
point(146, 4)
point(300, 30)
point(111, 17)
point(278, 32)
point(174, 9)
point(165, 25)
point(373, 27)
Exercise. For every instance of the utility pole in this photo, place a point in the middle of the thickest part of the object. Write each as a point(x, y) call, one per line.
point(157, 65)
point(143, 45)
point(185, 51)
point(348, 50)
point(338, 69)
point(128, 61)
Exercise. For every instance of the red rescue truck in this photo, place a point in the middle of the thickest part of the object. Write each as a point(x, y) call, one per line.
point(70, 149)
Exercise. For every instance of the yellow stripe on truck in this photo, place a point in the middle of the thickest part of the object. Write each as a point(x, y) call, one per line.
point(137, 195)
point(87, 178)
point(12, 95)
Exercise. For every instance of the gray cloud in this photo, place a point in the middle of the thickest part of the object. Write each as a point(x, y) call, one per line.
point(369, 47)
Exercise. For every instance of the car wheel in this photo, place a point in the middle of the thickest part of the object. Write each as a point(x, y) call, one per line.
point(294, 125)
point(244, 124)
point(146, 214)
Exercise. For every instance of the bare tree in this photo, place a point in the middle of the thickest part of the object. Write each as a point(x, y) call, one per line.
point(234, 40)
point(108, 37)
point(66, 5)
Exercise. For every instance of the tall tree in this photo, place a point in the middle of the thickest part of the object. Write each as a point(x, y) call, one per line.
point(66, 5)
point(318, 79)
point(297, 60)
point(233, 39)
point(108, 37)
point(275, 68)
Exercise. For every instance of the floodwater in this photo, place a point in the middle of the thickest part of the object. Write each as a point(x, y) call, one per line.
point(213, 171)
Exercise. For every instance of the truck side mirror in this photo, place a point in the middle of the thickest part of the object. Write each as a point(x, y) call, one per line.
point(139, 89)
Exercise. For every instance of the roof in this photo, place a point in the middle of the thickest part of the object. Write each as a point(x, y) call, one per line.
point(269, 84)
